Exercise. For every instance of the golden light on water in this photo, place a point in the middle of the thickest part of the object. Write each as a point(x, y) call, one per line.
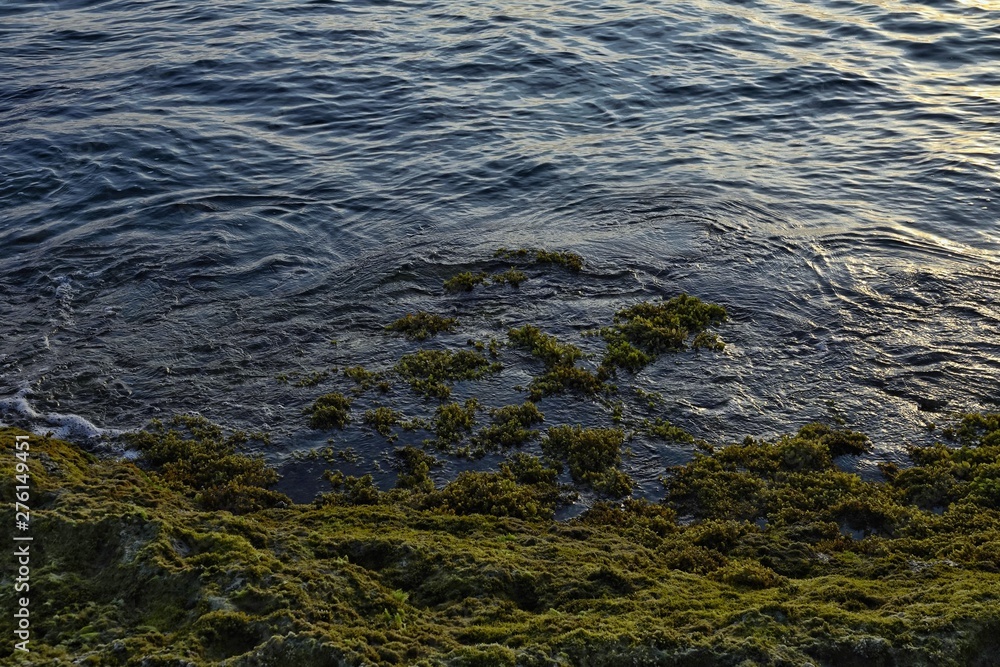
point(989, 5)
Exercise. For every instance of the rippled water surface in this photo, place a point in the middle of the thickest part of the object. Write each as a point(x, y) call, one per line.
point(197, 197)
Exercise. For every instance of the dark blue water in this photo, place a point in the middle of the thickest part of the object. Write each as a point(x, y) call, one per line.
point(198, 196)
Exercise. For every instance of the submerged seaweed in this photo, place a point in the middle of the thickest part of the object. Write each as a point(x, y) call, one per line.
point(645, 330)
point(431, 372)
point(422, 325)
point(330, 411)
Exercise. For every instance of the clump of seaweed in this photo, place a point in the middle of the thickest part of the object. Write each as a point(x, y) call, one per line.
point(561, 379)
point(365, 379)
point(663, 429)
point(511, 277)
point(545, 347)
point(138, 571)
point(453, 422)
point(523, 488)
point(510, 428)
point(191, 454)
point(349, 490)
point(645, 330)
point(568, 260)
point(331, 410)
point(422, 325)
point(414, 469)
point(465, 281)
point(593, 456)
point(430, 372)
point(559, 358)
point(382, 419)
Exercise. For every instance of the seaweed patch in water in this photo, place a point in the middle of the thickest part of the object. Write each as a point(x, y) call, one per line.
point(422, 325)
point(453, 422)
point(329, 411)
point(511, 277)
point(430, 372)
point(568, 260)
point(465, 281)
point(645, 330)
point(561, 373)
point(191, 455)
point(593, 456)
point(382, 419)
point(510, 428)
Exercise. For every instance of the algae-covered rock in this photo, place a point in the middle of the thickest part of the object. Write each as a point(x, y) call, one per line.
point(130, 569)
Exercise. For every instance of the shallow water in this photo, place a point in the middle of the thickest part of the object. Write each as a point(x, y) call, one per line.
point(197, 197)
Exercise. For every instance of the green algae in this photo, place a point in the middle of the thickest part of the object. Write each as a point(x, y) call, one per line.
point(545, 347)
point(192, 455)
point(593, 456)
point(510, 427)
point(137, 572)
point(565, 259)
point(663, 429)
point(312, 379)
point(465, 281)
point(453, 422)
point(645, 330)
point(511, 277)
point(382, 419)
point(365, 379)
point(308, 380)
point(561, 373)
point(422, 325)
point(331, 410)
point(430, 372)
point(762, 552)
point(562, 379)
point(498, 494)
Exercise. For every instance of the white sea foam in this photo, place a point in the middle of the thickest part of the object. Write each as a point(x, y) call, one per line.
point(64, 426)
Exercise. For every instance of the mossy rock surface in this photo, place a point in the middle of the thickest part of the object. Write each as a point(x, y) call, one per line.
point(751, 560)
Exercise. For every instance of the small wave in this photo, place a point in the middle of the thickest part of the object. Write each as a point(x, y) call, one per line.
point(63, 426)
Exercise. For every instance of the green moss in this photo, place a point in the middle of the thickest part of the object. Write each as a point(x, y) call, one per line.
point(330, 411)
point(465, 281)
point(430, 372)
point(422, 325)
